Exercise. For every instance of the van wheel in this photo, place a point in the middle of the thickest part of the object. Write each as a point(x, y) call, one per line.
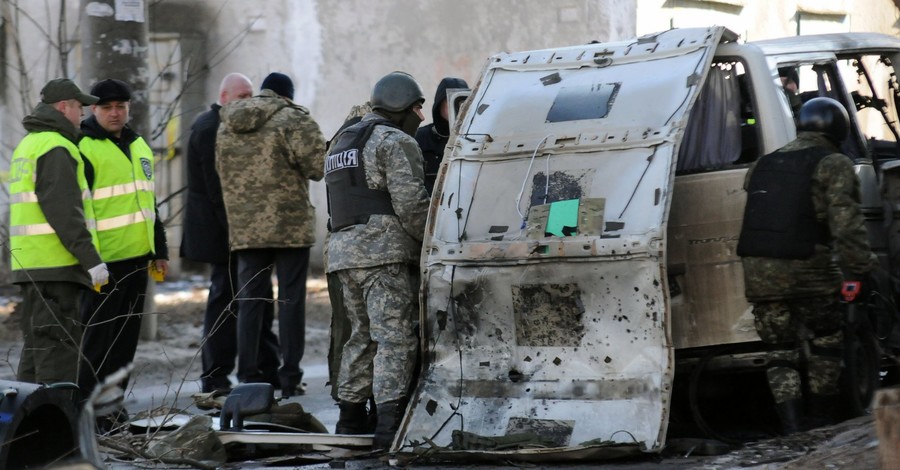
point(860, 378)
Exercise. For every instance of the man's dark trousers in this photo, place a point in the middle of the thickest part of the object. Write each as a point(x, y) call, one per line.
point(254, 274)
point(220, 331)
point(112, 322)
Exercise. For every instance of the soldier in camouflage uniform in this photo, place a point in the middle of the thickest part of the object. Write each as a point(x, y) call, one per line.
point(377, 206)
point(340, 324)
point(267, 150)
point(802, 210)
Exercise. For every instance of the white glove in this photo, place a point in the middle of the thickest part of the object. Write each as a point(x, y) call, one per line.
point(99, 276)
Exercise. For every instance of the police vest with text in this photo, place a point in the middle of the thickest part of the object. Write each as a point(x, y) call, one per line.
point(350, 200)
point(124, 198)
point(33, 242)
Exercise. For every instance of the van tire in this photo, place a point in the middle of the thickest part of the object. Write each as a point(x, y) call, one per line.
point(860, 378)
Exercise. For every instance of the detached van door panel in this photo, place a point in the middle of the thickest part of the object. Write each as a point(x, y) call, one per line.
point(545, 308)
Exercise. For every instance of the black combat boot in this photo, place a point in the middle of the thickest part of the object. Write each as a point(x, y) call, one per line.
point(354, 419)
point(789, 414)
point(823, 410)
point(389, 416)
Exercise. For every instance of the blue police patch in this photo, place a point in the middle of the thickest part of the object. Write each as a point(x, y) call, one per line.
point(148, 170)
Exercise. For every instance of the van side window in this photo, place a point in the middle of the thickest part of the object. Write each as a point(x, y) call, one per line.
point(713, 138)
point(872, 83)
point(829, 79)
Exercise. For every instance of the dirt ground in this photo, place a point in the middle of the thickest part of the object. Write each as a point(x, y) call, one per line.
point(173, 358)
point(175, 352)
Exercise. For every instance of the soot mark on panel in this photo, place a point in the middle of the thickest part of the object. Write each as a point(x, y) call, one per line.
point(559, 432)
point(563, 186)
point(548, 315)
point(468, 304)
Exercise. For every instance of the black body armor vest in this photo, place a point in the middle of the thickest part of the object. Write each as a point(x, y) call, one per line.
point(779, 219)
point(350, 201)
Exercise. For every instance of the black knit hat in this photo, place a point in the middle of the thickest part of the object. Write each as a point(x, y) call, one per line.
point(111, 90)
point(280, 83)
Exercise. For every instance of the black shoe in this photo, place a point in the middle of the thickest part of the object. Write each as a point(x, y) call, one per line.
point(296, 390)
point(389, 416)
point(789, 414)
point(354, 419)
point(822, 410)
point(222, 386)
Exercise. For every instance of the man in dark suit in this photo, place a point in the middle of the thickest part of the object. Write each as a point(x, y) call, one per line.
point(206, 240)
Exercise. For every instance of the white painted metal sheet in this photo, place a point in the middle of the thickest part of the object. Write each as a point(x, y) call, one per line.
point(561, 334)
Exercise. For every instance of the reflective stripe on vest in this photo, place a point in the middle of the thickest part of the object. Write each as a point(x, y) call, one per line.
point(33, 242)
point(124, 199)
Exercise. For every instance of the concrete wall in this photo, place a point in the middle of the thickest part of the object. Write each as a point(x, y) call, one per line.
point(755, 19)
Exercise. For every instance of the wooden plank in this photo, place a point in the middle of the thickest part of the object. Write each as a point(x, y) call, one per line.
point(887, 425)
point(336, 440)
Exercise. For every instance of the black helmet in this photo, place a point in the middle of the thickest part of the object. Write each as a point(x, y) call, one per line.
point(825, 115)
point(396, 92)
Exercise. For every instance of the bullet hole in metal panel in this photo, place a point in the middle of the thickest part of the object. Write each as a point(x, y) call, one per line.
point(431, 407)
point(499, 229)
point(636, 288)
point(527, 359)
point(557, 361)
point(551, 79)
point(515, 376)
point(485, 363)
point(607, 359)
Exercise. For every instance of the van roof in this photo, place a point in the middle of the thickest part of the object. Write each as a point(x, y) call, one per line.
point(837, 43)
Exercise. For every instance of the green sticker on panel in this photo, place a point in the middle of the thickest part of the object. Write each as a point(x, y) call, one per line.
point(563, 218)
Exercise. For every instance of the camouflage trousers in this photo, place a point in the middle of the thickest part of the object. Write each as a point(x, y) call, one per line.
point(379, 357)
point(51, 328)
point(794, 323)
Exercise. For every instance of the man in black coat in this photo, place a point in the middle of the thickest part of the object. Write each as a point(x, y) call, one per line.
point(206, 240)
point(433, 138)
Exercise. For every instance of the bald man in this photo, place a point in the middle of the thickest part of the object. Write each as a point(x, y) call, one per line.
point(206, 240)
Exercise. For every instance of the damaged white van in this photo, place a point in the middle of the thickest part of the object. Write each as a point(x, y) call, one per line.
point(581, 240)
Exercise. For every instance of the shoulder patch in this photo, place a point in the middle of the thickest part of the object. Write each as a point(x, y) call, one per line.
point(147, 167)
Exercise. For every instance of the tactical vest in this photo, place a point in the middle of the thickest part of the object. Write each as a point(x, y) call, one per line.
point(780, 219)
point(124, 200)
point(350, 200)
point(34, 243)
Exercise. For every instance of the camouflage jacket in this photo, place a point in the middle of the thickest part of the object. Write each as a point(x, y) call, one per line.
point(836, 200)
point(393, 163)
point(267, 148)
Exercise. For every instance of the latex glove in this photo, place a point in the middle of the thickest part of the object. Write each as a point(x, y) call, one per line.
point(158, 269)
point(99, 276)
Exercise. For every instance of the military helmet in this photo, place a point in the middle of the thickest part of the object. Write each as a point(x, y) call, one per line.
point(825, 115)
point(396, 92)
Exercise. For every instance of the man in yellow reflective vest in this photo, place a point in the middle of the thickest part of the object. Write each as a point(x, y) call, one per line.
point(51, 234)
point(119, 171)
